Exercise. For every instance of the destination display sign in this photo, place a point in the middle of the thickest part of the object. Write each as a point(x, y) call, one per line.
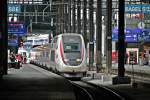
point(137, 8)
point(16, 28)
point(133, 35)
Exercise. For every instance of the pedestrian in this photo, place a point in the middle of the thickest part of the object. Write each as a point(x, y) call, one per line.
point(19, 59)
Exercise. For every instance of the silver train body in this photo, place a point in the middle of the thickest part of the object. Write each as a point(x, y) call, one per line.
point(66, 55)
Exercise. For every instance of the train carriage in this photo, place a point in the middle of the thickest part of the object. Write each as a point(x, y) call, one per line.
point(66, 55)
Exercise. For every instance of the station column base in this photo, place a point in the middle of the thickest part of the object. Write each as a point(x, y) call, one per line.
point(121, 80)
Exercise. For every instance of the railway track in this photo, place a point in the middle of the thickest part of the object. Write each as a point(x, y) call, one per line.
point(88, 91)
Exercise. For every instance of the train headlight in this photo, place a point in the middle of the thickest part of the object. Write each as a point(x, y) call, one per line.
point(66, 60)
point(78, 60)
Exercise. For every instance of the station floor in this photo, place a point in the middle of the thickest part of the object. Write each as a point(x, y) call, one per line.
point(141, 92)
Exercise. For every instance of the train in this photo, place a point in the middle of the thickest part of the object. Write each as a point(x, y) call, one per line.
point(65, 55)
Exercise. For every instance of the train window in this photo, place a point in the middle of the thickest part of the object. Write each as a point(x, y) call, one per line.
point(47, 54)
point(51, 45)
point(71, 47)
point(52, 56)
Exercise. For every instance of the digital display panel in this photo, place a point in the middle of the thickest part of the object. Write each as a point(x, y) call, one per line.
point(133, 35)
point(12, 40)
point(16, 28)
point(128, 37)
point(144, 36)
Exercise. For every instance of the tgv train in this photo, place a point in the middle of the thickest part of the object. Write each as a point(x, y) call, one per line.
point(65, 55)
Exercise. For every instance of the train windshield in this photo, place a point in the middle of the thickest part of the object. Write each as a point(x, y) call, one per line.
point(71, 44)
point(71, 47)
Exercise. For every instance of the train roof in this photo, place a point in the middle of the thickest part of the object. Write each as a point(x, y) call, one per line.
point(75, 34)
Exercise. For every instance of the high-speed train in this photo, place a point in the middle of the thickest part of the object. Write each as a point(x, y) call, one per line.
point(66, 55)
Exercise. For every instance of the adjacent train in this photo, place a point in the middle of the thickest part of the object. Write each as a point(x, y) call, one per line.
point(66, 55)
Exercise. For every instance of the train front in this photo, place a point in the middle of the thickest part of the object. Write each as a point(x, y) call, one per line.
point(73, 56)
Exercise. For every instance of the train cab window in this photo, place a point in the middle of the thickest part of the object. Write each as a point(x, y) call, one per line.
point(71, 47)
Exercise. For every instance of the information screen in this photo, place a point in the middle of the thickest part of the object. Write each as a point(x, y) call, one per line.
point(16, 28)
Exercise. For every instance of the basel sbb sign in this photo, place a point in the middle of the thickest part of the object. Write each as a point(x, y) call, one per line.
point(14, 8)
point(137, 8)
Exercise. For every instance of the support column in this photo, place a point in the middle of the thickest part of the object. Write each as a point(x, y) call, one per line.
point(62, 16)
point(91, 43)
point(66, 18)
point(3, 38)
point(58, 20)
point(99, 35)
point(121, 41)
point(69, 16)
point(79, 16)
point(73, 17)
point(85, 22)
point(121, 78)
point(108, 36)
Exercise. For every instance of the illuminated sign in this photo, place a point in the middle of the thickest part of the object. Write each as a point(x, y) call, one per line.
point(12, 40)
point(131, 37)
point(141, 35)
point(137, 8)
point(128, 37)
point(130, 34)
point(16, 28)
point(14, 8)
point(12, 43)
point(144, 36)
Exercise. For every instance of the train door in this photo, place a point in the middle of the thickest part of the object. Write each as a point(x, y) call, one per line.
point(132, 55)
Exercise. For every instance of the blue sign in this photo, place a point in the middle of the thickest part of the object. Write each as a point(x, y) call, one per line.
point(14, 8)
point(130, 37)
point(12, 42)
point(127, 30)
point(144, 36)
point(16, 28)
point(137, 8)
point(130, 34)
point(134, 35)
